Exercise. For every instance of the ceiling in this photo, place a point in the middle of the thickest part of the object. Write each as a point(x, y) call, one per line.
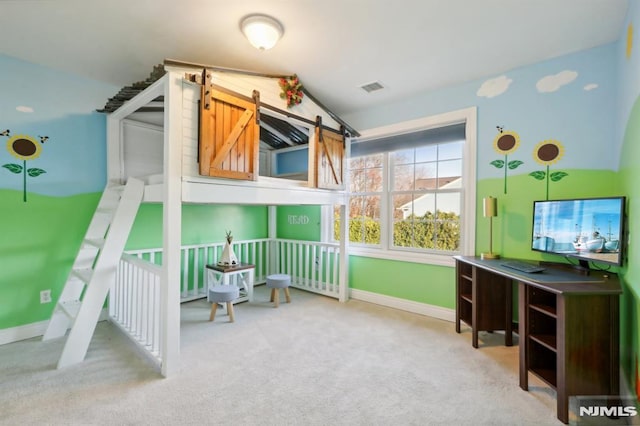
point(335, 46)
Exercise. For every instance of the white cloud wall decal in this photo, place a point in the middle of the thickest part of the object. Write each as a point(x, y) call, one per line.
point(591, 86)
point(494, 87)
point(23, 108)
point(552, 83)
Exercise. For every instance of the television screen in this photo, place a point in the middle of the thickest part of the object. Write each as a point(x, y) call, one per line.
point(587, 229)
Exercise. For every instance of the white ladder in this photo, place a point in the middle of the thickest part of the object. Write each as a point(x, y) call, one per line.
point(94, 270)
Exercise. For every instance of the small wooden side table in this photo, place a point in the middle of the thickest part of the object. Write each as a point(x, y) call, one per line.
point(241, 275)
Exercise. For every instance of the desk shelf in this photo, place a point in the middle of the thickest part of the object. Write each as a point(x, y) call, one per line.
point(545, 309)
point(546, 340)
point(547, 375)
point(475, 289)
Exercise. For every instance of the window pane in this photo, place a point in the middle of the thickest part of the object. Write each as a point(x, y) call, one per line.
point(448, 233)
point(448, 202)
point(403, 157)
point(356, 183)
point(372, 232)
point(424, 235)
point(403, 178)
point(417, 205)
point(426, 176)
point(450, 168)
point(374, 160)
point(450, 151)
point(427, 153)
point(364, 230)
point(357, 163)
point(373, 180)
point(402, 206)
point(403, 233)
point(371, 206)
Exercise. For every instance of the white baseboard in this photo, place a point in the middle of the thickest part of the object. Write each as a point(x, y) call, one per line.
point(35, 329)
point(404, 305)
point(10, 335)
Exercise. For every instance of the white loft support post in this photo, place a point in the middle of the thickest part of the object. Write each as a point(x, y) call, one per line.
point(344, 253)
point(312, 168)
point(114, 150)
point(272, 213)
point(171, 223)
point(344, 230)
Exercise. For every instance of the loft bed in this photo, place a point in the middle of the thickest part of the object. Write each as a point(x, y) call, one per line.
point(194, 136)
point(203, 145)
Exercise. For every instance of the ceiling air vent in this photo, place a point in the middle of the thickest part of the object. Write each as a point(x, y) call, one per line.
point(372, 87)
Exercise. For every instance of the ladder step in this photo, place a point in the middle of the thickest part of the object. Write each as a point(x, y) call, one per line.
point(95, 242)
point(82, 299)
point(83, 274)
point(70, 308)
point(105, 210)
point(116, 188)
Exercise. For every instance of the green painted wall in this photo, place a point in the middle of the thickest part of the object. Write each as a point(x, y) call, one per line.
point(513, 225)
point(40, 240)
point(38, 244)
point(405, 280)
point(200, 224)
point(298, 222)
point(630, 302)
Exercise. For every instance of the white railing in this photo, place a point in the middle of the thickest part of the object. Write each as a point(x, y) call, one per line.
point(135, 304)
point(313, 266)
point(135, 299)
point(195, 257)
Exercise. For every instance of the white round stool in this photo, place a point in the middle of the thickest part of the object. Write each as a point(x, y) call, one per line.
point(275, 282)
point(222, 294)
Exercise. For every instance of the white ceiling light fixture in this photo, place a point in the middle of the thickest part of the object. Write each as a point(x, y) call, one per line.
point(262, 31)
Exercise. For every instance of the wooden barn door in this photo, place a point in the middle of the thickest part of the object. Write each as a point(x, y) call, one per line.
point(329, 158)
point(229, 136)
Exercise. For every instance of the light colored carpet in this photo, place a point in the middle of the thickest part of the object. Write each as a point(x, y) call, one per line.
point(314, 361)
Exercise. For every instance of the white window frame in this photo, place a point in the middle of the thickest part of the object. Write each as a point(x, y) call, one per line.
point(468, 208)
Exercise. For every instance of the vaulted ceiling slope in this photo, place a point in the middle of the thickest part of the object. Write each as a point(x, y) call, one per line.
point(334, 46)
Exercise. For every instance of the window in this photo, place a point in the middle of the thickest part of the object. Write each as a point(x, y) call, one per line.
point(425, 196)
point(366, 191)
point(412, 190)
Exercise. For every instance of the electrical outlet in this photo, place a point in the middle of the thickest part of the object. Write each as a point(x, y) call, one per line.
point(45, 296)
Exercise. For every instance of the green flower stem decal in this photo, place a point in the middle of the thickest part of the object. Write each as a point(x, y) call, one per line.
point(505, 143)
point(546, 153)
point(24, 148)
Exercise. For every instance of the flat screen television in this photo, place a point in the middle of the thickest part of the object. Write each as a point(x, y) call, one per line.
point(588, 229)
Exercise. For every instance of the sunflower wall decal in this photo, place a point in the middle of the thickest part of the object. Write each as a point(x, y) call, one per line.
point(24, 147)
point(506, 142)
point(548, 152)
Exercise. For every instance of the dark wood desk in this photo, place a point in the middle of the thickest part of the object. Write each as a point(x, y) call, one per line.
point(568, 323)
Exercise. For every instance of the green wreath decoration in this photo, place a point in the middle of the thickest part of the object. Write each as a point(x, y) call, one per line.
point(291, 90)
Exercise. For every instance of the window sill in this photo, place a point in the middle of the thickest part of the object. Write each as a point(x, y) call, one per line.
point(404, 256)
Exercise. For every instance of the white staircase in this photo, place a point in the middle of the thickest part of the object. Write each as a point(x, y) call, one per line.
point(94, 270)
